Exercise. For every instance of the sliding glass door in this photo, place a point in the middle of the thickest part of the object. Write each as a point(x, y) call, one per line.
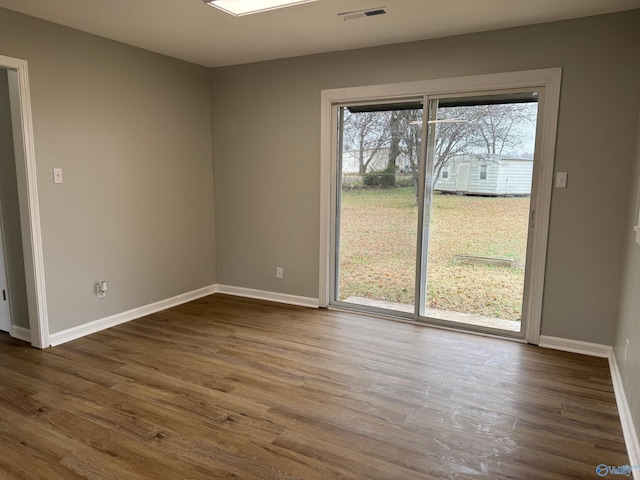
point(478, 186)
point(377, 212)
point(433, 208)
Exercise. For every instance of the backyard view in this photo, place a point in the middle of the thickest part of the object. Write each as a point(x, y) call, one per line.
point(476, 176)
point(377, 250)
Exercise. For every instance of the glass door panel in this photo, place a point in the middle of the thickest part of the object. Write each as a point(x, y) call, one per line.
point(376, 207)
point(478, 183)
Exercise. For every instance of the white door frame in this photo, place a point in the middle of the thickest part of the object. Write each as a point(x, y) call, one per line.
point(547, 79)
point(29, 205)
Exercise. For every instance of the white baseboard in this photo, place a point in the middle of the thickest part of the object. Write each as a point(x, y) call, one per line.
point(21, 333)
point(575, 346)
point(628, 428)
point(605, 351)
point(73, 333)
point(107, 322)
point(269, 296)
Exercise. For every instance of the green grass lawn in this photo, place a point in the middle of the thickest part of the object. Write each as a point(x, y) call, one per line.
point(378, 250)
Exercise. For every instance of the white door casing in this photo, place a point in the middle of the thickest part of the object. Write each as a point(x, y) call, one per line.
point(20, 98)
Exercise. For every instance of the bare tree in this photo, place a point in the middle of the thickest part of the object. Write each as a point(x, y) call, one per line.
point(366, 133)
point(478, 130)
point(456, 133)
point(406, 135)
point(504, 127)
point(396, 130)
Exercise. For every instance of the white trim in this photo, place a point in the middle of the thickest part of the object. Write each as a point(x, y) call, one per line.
point(549, 79)
point(443, 86)
point(21, 333)
point(28, 185)
point(269, 296)
point(575, 346)
point(326, 160)
point(550, 104)
point(95, 326)
point(624, 412)
point(119, 318)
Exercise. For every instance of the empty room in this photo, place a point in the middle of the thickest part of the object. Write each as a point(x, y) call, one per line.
point(321, 239)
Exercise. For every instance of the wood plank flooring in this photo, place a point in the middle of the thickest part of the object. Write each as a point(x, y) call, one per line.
point(230, 388)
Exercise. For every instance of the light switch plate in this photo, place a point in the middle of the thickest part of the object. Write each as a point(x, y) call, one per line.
point(57, 175)
point(561, 179)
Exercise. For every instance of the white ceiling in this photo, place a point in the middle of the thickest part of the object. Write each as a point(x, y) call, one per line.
point(193, 31)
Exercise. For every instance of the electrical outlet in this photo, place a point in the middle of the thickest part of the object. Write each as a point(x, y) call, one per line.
point(279, 272)
point(626, 350)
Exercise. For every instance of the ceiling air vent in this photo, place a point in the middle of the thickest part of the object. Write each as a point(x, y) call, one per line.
point(369, 12)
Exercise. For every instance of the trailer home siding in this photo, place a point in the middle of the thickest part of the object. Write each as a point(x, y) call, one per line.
point(486, 176)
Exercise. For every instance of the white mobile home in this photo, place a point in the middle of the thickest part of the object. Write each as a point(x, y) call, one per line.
point(486, 175)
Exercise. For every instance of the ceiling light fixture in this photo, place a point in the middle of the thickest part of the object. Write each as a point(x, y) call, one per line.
point(238, 8)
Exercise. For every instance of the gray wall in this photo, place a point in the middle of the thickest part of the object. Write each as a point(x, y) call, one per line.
point(11, 212)
point(629, 322)
point(266, 123)
point(132, 132)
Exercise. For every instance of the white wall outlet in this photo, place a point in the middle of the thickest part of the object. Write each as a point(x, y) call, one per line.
point(57, 175)
point(561, 179)
point(101, 288)
point(279, 272)
point(626, 350)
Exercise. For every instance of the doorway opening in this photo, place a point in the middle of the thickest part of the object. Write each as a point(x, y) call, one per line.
point(5, 307)
point(12, 303)
point(20, 211)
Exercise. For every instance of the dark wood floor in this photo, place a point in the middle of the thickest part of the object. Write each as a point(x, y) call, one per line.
point(230, 388)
